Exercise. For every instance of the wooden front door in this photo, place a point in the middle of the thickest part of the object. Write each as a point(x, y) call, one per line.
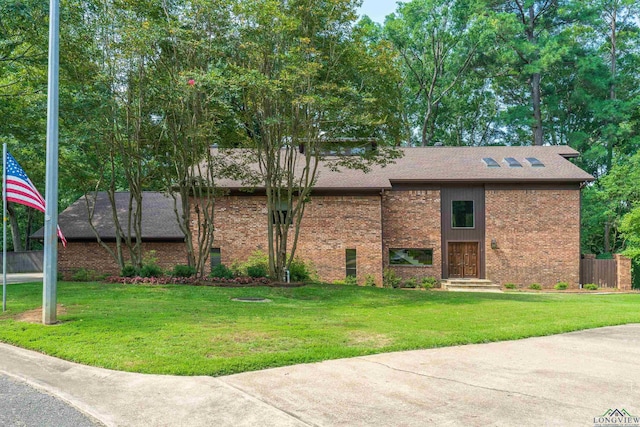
point(463, 260)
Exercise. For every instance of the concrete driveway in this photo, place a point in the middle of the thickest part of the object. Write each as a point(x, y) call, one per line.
point(22, 277)
point(569, 379)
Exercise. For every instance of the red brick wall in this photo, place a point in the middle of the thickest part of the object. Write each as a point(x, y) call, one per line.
point(331, 224)
point(623, 270)
point(412, 220)
point(538, 236)
point(92, 256)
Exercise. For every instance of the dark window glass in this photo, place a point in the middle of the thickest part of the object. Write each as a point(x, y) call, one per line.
point(535, 163)
point(351, 262)
point(281, 216)
point(462, 214)
point(418, 257)
point(490, 162)
point(513, 163)
point(215, 257)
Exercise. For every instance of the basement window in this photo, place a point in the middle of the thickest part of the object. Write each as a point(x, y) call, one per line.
point(411, 257)
point(216, 258)
point(350, 255)
point(462, 214)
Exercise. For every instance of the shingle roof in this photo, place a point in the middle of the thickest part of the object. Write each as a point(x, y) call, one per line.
point(158, 218)
point(454, 165)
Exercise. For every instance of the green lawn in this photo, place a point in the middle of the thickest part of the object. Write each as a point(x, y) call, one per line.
point(188, 330)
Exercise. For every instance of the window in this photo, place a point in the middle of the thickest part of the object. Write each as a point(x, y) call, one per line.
point(351, 262)
point(416, 257)
point(281, 215)
point(513, 163)
point(215, 257)
point(535, 163)
point(490, 162)
point(462, 214)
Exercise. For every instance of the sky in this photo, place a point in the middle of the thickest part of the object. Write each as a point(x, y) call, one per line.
point(377, 9)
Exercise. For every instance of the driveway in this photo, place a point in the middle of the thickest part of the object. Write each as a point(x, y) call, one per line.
point(569, 379)
point(22, 277)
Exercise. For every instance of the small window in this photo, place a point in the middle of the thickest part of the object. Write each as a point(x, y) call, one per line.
point(281, 215)
point(513, 163)
point(462, 214)
point(416, 257)
point(216, 259)
point(535, 163)
point(490, 162)
point(351, 262)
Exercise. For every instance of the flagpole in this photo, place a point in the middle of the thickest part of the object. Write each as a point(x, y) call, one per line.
point(50, 268)
point(4, 227)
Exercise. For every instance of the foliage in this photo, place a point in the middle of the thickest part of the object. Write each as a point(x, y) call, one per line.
point(590, 287)
point(561, 286)
point(86, 275)
point(300, 271)
point(129, 271)
point(151, 270)
point(257, 271)
point(390, 279)
point(510, 286)
point(369, 280)
point(221, 271)
point(429, 282)
point(183, 271)
point(535, 286)
point(351, 281)
point(257, 261)
point(204, 332)
point(410, 283)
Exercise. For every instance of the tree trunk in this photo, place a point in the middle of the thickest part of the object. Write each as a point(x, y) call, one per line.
point(536, 98)
point(15, 230)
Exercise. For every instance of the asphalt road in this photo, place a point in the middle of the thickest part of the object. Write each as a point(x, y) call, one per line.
point(24, 406)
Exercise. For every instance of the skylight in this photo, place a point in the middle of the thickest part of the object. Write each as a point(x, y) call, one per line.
point(535, 163)
point(513, 163)
point(490, 162)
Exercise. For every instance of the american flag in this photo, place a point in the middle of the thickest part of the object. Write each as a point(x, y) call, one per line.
point(21, 190)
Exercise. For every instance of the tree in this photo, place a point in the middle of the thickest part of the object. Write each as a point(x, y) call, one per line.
point(306, 82)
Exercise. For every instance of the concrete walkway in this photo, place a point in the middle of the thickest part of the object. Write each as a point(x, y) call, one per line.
point(22, 277)
point(559, 380)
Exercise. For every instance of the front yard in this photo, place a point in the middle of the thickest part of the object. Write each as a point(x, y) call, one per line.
point(186, 330)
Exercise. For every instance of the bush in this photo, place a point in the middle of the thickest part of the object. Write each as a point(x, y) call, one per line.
point(85, 275)
point(510, 286)
point(257, 259)
point(299, 271)
point(351, 281)
point(369, 280)
point(183, 271)
point(535, 286)
point(220, 271)
point(590, 287)
point(151, 270)
point(257, 270)
point(561, 286)
point(410, 283)
point(390, 279)
point(429, 283)
point(129, 271)
point(339, 282)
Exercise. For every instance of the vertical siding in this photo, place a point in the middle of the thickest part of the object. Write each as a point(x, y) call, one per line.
point(450, 234)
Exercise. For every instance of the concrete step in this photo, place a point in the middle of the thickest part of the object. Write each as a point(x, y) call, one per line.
point(470, 285)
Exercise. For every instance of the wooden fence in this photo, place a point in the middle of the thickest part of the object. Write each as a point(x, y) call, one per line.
point(602, 272)
point(23, 262)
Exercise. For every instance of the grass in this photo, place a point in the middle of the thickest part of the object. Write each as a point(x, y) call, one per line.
point(186, 330)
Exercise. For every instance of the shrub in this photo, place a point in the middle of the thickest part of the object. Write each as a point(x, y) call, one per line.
point(590, 287)
point(390, 279)
point(510, 286)
point(351, 281)
point(129, 271)
point(220, 271)
point(257, 270)
point(429, 282)
point(151, 270)
point(257, 259)
point(561, 286)
point(183, 271)
point(339, 282)
point(535, 286)
point(85, 275)
point(410, 283)
point(369, 280)
point(299, 271)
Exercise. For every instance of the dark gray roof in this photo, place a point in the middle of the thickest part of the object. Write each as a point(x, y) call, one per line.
point(158, 218)
point(444, 165)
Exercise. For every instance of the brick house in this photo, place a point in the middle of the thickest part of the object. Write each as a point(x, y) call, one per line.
point(505, 214)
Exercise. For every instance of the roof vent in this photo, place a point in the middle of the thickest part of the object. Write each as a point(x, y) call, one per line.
point(535, 163)
point(513, 163)
point(490, 162)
